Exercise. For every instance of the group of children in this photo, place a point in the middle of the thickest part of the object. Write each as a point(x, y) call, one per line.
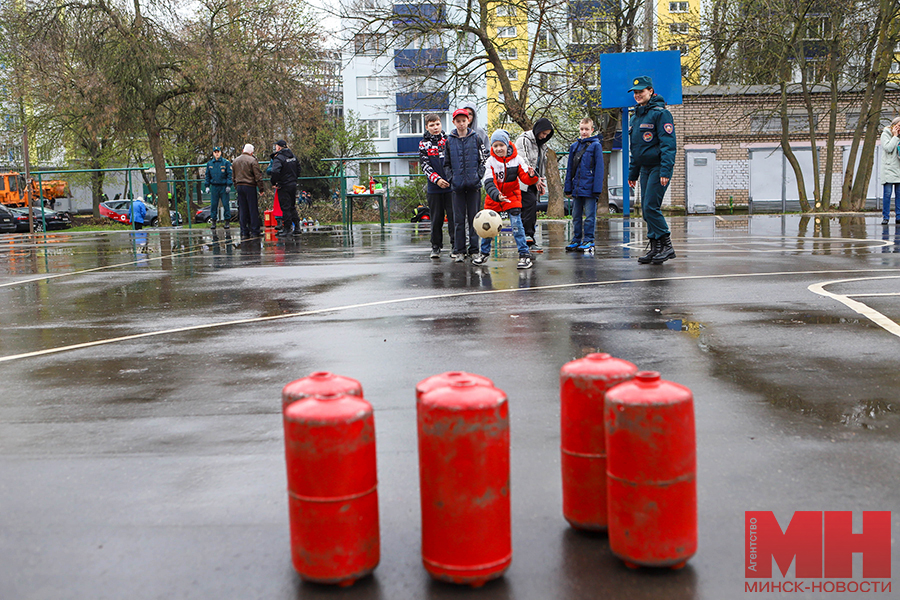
point(459, 165)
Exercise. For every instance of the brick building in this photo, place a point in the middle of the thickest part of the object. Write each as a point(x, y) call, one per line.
point(729, 145)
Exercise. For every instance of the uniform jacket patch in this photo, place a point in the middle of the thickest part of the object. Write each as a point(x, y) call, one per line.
point(647, 125)
point(669, 127)
point(648, 136)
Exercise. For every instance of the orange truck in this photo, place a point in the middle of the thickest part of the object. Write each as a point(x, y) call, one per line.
point(12, 189)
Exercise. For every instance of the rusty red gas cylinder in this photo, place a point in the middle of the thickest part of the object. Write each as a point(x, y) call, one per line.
point(583, 385)
point(651, 472)
point(320, 383)
point(332, 487)
point(464, 482)
point(445, 379)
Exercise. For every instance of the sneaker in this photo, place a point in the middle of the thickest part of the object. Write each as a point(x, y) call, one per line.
point(212, 225)
point(283, 233)
point(296, 232)
point(573, 246)
point(536, 248)
point(529, 240)
point(454, 254)
point(459, 258)
point(435, 253)
point(480, 259)
point(586, 247)
point(525, 262)
point(885, 221)
point(227, 225)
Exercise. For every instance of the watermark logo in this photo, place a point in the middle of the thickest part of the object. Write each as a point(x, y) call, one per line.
point(821, 546)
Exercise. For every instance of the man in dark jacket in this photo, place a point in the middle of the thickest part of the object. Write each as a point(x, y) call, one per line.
point(285, 170)
point(652, 139)
point(218, 186)
point(464, 168)
point(532, 147)
point(431, 159)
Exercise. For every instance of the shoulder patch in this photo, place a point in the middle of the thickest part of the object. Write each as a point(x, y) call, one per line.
point(669, 128)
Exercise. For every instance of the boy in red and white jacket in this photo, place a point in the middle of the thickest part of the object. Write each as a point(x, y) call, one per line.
point(502, 173)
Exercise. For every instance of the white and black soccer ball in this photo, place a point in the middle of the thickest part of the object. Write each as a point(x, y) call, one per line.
point(487, 223)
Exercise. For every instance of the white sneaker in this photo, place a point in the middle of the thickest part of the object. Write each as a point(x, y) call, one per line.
point(480, 259)
point(525, 262)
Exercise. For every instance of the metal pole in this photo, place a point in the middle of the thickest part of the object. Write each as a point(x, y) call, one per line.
point(41, 197)
point(626, 189)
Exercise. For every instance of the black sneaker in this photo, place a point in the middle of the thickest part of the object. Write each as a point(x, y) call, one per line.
point(212, 225)
point(525, 262)
point(283, 233)
point(435, 253)
point(885, 221)
point(480, 259)
point(296, 232)
point(227, 225)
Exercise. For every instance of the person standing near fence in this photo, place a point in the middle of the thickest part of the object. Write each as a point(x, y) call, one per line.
point(431, 159)
point(218, 186)
point(652, 138)
point(285, 171)
point(248, 179)
point(890, 171)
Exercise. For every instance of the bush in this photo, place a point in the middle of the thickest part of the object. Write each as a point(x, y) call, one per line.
point(405, 198)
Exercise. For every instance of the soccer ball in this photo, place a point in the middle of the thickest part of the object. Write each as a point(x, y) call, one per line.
point(487, 223)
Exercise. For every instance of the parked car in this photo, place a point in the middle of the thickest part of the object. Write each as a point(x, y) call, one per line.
point(8, 222)
point(617, 201)
point(203, 215)
point(543, 201)
point(55, 220)
point(120, 210)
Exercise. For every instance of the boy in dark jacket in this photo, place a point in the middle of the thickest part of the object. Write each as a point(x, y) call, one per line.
point(464, 168)
point(431, 159)
point(584, 182)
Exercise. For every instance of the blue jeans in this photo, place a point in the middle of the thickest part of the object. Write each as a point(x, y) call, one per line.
point(216, 193)
point(518, 234)
point(586, 206)
point(886, 201)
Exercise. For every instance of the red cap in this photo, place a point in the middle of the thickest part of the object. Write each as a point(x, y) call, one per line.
point(460, 111)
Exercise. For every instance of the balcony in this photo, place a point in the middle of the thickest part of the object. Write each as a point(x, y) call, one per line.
point(423, 102)
point(418, 14)
point(426, 59)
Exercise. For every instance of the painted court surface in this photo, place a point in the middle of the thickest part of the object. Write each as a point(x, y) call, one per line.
point(141, 448)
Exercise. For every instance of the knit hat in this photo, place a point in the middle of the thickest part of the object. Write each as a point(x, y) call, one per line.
point(501, 135)
point(249, 149)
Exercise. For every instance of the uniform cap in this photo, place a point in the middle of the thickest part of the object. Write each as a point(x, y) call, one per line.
point(281, 143)
point(641, 83)
point(217, 149)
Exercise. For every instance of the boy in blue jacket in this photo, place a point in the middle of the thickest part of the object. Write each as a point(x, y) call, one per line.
point(464, 167)
point(584, 182)
point(431, 159)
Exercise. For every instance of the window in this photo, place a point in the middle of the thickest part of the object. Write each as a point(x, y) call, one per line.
point(372, 171)
point(413, 123)
point(586, 75)
point(679, 47)
point(546, 40)
point(506, 32)
point(590, 31)
point(773, 124)
point(506, 11)
point(369, 43)
point(512, 74)
point(414, 167)
point(550, 81)
point(678, 28)
point(852, 120)
point(818, 27)
point(678, 7)
point(371, 87)
point(508, 53)
point(378, 129)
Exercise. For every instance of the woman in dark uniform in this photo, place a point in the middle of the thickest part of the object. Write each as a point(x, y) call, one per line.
point(652, 139)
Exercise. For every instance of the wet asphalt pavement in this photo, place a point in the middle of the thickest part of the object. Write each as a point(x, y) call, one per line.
point(153, 466)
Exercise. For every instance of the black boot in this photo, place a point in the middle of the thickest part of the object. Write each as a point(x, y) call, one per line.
point(653, 244)
point(666, 251)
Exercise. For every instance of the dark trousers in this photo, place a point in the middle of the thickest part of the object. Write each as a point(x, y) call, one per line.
point(218, 194)
point(652, 192)
point(465, 205)
point(529, 210)
point(440, 205)
point(248, 210)
point(287, 200)
point(138, 225)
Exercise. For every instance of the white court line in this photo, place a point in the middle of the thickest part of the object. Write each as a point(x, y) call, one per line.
point(115, 266)
point(699, 244)
point(860, 308)
point(419, 299)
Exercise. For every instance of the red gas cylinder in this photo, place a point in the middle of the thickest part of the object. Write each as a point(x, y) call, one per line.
point(332, 487)
point(583, 384)
point(464, 482)
point(651, 473)
point(320, 383)
point(444, 379)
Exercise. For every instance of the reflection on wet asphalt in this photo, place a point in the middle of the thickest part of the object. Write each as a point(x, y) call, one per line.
point(152, 466)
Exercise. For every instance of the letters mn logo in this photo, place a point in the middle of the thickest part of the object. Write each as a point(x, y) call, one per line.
point(822, 543)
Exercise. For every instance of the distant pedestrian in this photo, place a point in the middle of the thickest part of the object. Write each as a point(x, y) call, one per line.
point(464, 166)
point(440, 200)
point(285, 171)
point(503, 172)
point(652, 139)
point(218, 186)
point(249, 182)
point(137, 213)
point(890, 171)
point(584, 182)
point(532, 147)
